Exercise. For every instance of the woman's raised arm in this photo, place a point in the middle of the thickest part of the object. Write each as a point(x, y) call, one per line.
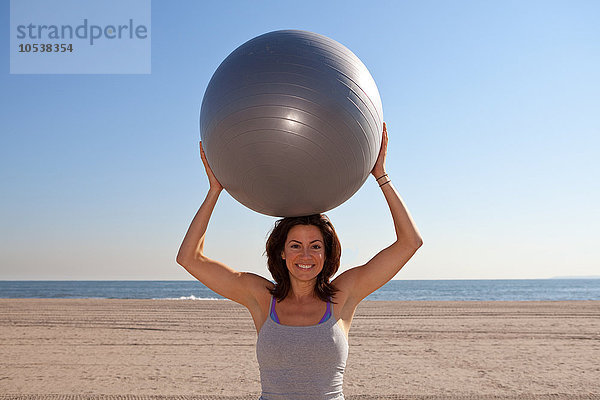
point(240, 287)
point(361, 281)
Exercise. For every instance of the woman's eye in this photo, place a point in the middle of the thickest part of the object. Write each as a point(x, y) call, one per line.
point(317, 247)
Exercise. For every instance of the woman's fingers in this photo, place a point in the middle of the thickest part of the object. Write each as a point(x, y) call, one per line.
point(202, 155)
point(384, 141)
point(212, 179)
point(379, 168)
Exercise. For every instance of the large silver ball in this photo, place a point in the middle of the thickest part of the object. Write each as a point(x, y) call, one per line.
point(291, 123)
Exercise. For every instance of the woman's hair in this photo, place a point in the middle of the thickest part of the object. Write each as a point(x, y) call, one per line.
point(275, 246)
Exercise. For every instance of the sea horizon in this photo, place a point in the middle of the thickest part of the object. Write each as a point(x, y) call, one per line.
point(396, 290)
point(193, 279)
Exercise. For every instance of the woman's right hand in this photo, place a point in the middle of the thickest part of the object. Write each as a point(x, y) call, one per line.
point(212, 179)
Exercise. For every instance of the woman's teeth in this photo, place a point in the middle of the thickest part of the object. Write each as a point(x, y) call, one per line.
point(304, 266)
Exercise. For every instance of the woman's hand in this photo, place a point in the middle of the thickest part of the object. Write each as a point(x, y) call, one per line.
point(379, 168)
point(212, 179)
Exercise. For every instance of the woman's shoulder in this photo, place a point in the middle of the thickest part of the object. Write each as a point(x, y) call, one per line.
point(343, 283)
point(344, 300)
point(258, 301)
point(261, 289)
point(258, 285)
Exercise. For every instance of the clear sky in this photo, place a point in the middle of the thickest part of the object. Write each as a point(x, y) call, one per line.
point(493, 110)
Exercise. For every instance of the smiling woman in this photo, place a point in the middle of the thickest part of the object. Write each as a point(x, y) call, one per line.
point(303, 247)
point(302, 319)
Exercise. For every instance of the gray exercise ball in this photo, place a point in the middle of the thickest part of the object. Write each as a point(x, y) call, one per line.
point(291, 123)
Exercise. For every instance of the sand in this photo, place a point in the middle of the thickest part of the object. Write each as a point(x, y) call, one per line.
point(163, 349)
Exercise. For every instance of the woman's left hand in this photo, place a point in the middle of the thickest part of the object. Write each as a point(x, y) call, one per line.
point(379, 168)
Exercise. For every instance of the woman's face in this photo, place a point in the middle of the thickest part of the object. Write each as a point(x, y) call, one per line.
point(304, 252)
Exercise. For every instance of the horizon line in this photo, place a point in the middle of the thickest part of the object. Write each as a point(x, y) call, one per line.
point(195, 280)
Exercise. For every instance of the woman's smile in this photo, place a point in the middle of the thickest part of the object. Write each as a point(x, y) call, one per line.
point(304, 251)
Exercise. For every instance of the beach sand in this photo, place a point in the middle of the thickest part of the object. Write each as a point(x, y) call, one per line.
point(134, 349)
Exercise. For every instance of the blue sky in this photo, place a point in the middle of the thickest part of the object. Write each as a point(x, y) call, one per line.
point(492, 109)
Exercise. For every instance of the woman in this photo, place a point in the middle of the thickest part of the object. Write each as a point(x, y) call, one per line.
point(303, 319)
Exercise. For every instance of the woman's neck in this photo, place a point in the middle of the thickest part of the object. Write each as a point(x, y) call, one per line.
point(301, 291)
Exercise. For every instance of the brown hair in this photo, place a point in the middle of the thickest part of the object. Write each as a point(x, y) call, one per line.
point(275, 245)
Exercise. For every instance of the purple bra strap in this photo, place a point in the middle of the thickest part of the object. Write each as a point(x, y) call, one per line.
point(274, 316)
point(327, 313)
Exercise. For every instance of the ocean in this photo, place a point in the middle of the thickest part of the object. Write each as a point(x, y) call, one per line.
point(465, 290)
